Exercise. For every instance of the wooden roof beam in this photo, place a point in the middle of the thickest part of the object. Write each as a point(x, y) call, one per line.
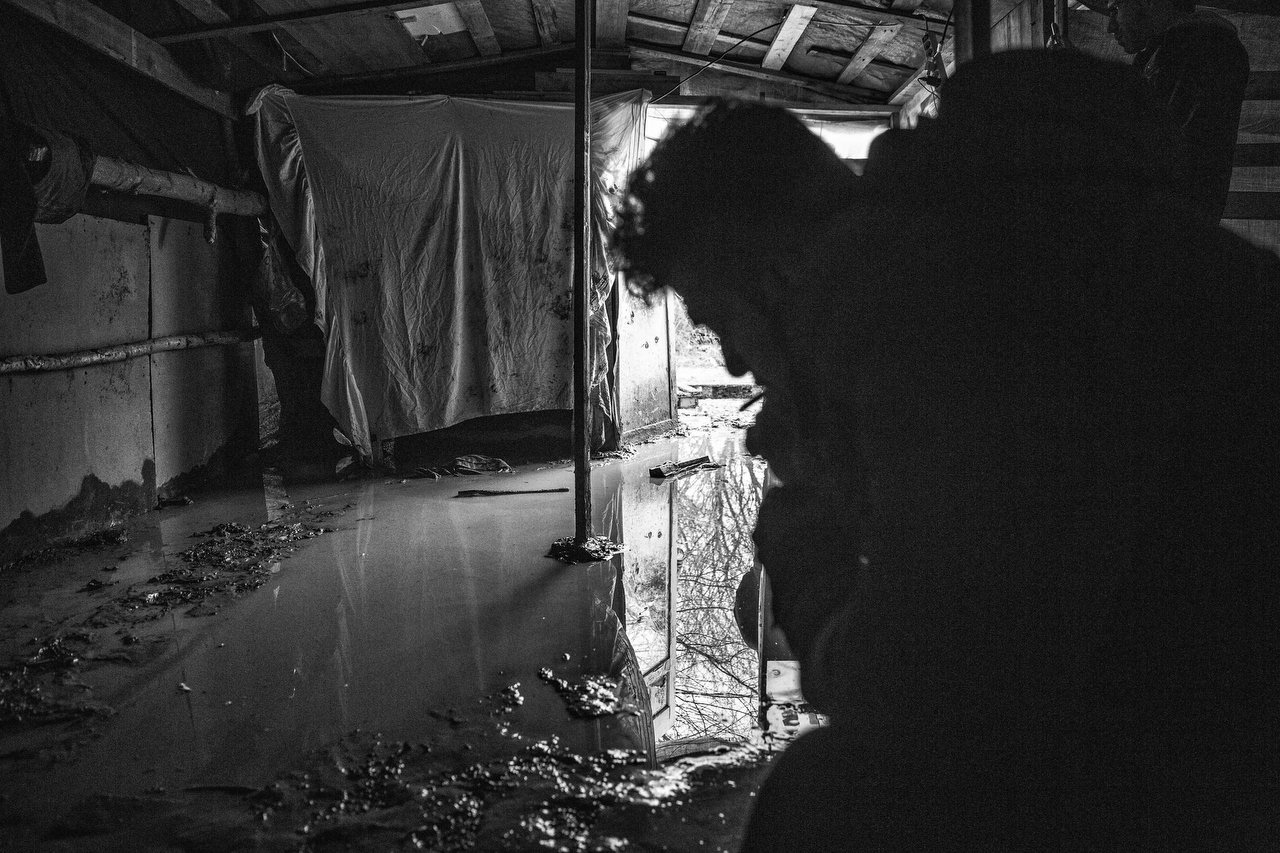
point(870, 48)
point(611, 23)
point(788, 35)
point(271, 22)
point(708, 17)
point(415, 72)
point(544, 18)
point(110, 36)
point(208, 12)
point(477, 21)
point(849, 94)
point(646, 29)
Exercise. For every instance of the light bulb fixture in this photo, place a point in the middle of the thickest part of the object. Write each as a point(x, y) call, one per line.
point(935, 70)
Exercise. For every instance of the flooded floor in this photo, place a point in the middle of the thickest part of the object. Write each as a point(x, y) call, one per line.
point(381, 665)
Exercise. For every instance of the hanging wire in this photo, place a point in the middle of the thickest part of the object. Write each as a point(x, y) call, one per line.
point(711, 62)
point(289, 58)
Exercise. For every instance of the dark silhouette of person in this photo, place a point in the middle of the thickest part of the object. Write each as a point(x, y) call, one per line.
point(1026, 410)
point(1197, 70)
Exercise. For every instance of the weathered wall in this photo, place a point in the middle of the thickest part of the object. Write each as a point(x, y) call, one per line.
point(82, 448)
point(645, 383)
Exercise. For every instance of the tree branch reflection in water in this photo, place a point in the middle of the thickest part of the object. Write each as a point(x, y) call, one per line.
point(716, 684)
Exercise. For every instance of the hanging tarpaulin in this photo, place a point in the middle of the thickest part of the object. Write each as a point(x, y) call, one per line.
point(438, 235)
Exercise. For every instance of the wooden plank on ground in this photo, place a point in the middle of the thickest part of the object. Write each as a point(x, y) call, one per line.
point(108, 35)
point(870, 48)
point(477, 21)
point(708, 18)
point(784, 41)
point(544, 17)
point(1252, 205)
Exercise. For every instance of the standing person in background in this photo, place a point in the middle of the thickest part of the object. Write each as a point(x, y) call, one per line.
point(1197, 69)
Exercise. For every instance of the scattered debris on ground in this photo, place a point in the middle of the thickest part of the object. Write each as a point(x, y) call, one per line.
point(678, 469)
point(533, 795)
point(469, 465)
point(595, 549)
point(101, 540)
point(589, 697)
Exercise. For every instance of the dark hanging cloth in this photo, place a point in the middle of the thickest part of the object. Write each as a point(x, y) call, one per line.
point(23, 264)
point(60, 179)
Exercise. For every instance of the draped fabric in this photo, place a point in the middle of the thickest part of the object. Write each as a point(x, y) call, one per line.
point(438, 233)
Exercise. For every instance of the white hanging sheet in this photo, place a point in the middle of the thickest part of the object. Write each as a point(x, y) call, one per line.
point(438, 234)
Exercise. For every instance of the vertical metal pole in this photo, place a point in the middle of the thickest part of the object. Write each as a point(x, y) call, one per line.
point(582, 276)
point(973, 29)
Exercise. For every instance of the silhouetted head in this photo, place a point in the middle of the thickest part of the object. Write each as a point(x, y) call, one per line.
point(1137, 23)
point(718, 202)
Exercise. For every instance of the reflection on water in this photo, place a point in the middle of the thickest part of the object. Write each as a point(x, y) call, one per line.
point(716, 673)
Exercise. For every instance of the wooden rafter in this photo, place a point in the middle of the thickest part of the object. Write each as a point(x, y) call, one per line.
point(875, 42)
point(659, 31)
point(208, 12)
point(108, 35)
point(544, 17)
point(611, 22)
point(477, 21)
point(788, 35)
point(708, 18)
point(905, 5)
point(423, 71)
point(850, 94)
point(290, 16)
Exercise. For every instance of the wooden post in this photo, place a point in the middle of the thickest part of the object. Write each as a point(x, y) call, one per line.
point(582, 276)
point(973, 29)
point(1062, 17)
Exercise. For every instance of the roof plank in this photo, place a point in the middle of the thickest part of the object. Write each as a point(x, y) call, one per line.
point(544, 16)
point(869, 49)
point(477, 21)
point(708, 18)
point(788, 35)
point(849, 94)
point(611, 22)
point(108, 35)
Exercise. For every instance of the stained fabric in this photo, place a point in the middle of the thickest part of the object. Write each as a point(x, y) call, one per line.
point(63, 177)
point(438, 233)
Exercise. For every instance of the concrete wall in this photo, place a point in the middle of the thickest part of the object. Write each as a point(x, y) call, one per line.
point(81, 449)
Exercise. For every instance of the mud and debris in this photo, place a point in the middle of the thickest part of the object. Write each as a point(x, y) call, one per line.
point(589, 697)
point(595, 549)
point(232, 559)
point(471, 464)
point(102, 540)
point(541, 795)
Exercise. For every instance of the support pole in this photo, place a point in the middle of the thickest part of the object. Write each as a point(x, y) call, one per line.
point(582, 275)
point(1062, 16)
point(973, 29)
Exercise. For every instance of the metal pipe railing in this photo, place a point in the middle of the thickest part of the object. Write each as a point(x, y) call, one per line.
point(122, 352)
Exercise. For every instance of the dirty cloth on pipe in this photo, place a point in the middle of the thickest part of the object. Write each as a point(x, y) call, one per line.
point(438, 233)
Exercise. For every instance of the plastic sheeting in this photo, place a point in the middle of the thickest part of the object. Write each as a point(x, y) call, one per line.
point(438, 233)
